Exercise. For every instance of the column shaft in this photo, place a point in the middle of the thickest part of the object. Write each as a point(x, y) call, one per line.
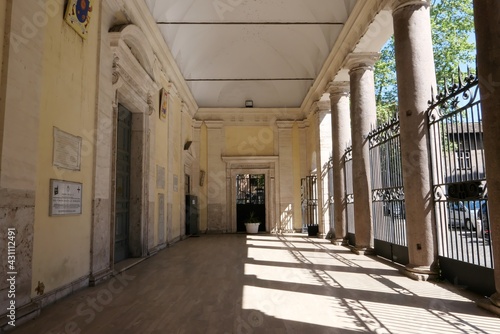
point(416, 76)
point(487, 14)
point(363, 118)
point(341, 136)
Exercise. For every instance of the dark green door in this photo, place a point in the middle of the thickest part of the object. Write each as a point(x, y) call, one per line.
point(122, 218)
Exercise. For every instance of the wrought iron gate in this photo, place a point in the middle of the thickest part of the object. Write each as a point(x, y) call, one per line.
point(388, 199)
point(459, 185)
point(349, 196)
point(250, 199)
point(310, 203)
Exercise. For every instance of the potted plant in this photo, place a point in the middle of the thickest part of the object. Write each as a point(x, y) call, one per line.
point(252, 224)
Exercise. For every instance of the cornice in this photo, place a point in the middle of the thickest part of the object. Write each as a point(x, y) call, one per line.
point(139, 14)
point(354, 28)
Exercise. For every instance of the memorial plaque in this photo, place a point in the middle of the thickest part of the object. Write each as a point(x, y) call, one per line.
point(65, 198)
point(67, 150)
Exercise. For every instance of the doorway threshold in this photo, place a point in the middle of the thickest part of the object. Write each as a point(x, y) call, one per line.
point(127, 264)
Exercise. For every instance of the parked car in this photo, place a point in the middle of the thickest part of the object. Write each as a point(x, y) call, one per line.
point(484, 217)
point(461, 216)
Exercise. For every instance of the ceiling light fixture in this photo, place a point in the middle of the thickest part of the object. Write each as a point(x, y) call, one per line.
point(249, 104)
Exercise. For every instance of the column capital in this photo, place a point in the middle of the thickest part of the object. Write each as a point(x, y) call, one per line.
point(399, 4)
point(339, 88)
point(361, 60)
point(285, 124)
point(214, 124)
point(320, 106)
point(197, 124)
point(304, 124)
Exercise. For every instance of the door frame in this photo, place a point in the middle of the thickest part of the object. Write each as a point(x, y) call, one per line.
point(265, 165)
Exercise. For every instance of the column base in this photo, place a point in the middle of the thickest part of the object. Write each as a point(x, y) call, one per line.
point(420, 273)
point(339, 242)
point(491, 304)
point(363, 250)
point(322, 236)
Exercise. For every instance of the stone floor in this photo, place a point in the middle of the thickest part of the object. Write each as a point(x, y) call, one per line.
point(264, 284)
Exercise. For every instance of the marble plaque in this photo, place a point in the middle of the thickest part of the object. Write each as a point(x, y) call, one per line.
point(67, 150)
point(65, 198)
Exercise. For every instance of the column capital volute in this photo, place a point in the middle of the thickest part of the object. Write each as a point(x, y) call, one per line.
point(361, 60)
point(339, 88)
point(399, 4)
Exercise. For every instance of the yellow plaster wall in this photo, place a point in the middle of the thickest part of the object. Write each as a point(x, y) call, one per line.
point(203, 189)
point(249, 140)
point(175, 106)
point(61, 250)
point(3, 5)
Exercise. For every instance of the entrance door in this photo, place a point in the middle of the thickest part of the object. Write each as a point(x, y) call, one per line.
point(122, 212)
point(250, 200)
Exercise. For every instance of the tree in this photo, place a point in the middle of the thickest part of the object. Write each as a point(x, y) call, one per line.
point(452, 27)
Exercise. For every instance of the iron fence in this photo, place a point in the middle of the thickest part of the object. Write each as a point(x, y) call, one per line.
point(459, 174)
point(349, 192)
point(388, 199)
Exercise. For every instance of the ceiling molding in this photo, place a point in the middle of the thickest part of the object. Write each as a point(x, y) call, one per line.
point(356, 26)
point(140, 16)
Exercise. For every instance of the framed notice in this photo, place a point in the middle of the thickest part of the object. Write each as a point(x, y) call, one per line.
point(67, 150)
point(78, 16)
point(163, 104)
point(65, 198)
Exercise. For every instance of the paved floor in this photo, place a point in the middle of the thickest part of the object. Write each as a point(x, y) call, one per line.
point(264, 284)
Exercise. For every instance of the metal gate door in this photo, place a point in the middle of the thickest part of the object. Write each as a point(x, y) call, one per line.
point(250, 200)
point(122, 209)
point(388, 198)
point(459, 185)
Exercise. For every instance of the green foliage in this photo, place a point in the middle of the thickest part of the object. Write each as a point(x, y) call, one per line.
point(452, 25)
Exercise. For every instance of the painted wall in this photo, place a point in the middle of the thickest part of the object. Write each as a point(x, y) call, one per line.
point(3, 5)
point(176, 173)
point(249, 140)
point(204, 188)
point(62, 243)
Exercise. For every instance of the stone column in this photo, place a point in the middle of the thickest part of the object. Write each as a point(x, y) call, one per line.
point(216, 178)
point(363, 118)
point(487, 14)
point(341, 136)
point(416, 76)
point(286, 181)
point(324, 149)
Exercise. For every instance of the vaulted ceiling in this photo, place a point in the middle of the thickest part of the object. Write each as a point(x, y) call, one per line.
point(267, 51)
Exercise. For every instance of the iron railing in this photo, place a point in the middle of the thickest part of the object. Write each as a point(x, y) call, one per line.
point(388, 199)
point(349, 192)
point(459, 174)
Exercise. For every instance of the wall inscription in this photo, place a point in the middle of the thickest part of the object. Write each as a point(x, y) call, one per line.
point(65, 198)
point(67, 150)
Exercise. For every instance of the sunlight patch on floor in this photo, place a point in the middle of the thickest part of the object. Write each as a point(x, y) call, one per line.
point(300, 307)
